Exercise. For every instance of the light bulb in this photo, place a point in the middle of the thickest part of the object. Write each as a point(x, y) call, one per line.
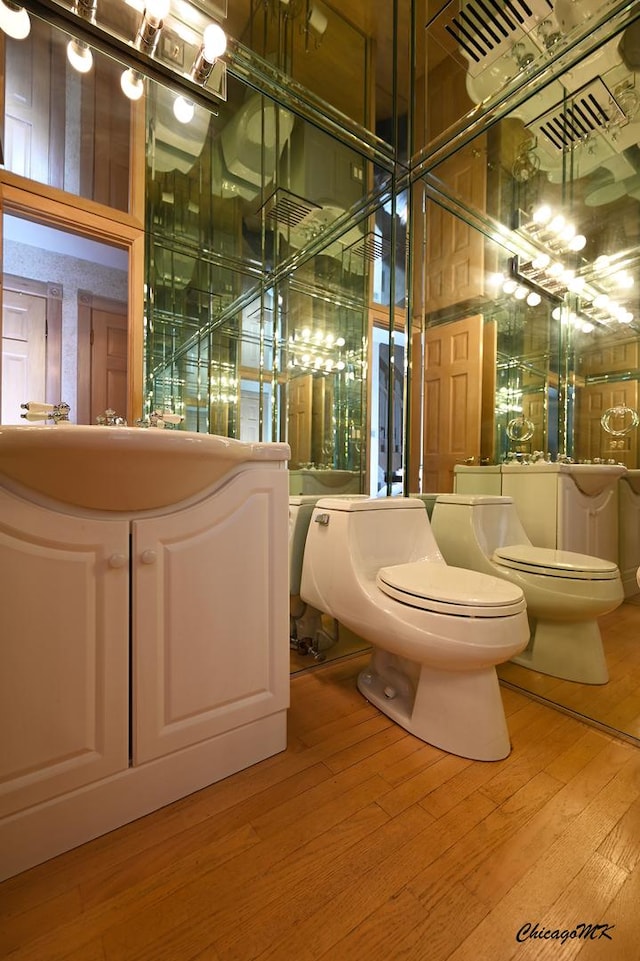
point(183, 109)
point(579, 242)
point(214, 42)
point(79, 56)
point(14, 21)
point(132, 85)
point(156, 10)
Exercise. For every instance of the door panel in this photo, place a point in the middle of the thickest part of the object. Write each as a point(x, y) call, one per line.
point(453, 378)
point(24, 339)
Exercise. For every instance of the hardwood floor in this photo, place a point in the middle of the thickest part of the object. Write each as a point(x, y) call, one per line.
point(360, 843)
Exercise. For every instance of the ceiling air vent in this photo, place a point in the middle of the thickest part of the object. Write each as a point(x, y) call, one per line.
point(486, 29)
point(370, 248)
point(285, 209)
point(570, 122)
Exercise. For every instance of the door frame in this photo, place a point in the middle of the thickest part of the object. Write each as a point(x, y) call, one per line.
point(52, 207)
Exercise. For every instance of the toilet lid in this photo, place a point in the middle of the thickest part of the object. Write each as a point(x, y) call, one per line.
point(450, 590)
point(552, 563)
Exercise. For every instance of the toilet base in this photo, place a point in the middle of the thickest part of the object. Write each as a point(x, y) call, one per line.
point(459, 712)
point(570, 650)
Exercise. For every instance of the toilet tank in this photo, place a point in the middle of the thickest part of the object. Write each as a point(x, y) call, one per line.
point(351, 538)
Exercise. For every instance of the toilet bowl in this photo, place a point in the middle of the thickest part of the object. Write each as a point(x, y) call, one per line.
point(437, 632)
point(565, 591)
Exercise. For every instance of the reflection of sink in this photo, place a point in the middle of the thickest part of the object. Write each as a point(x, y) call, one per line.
point(121, 468)
point(309, 480)
point(632, 477)
point(592, 479)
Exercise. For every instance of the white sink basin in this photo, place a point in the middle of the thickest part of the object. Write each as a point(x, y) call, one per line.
point(121, 468)
point(592, 479)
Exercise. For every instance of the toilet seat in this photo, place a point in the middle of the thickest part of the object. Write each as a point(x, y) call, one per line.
point(450, 590)
point(553, 563)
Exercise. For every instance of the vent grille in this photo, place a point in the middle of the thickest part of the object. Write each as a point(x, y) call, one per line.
point(285, 209)
point(482, 25)
point(591, 109)
point(370, 248)
point(485, 30)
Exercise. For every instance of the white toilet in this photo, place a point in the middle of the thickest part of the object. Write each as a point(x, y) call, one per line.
point(566, 592)
point(437, 631)
point(304, 621)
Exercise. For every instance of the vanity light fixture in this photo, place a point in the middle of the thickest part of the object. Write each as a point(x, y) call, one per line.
point(14, 20)
point(79, 56)
point(150, 26)
point(214, 44)
point(132, 84)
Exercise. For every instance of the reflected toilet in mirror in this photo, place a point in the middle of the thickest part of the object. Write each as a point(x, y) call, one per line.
point(565, 591)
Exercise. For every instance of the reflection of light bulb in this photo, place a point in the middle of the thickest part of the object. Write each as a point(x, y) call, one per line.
point(340, 342)
point(601, 301)
point(79, 56)
point(183, 109)
point(542, 214)
point(132, 85)
point(520, 293)
point(214, 42)
point(540, 262)
point(556, 313)
point(14, 21)
point(534, 298)
point(579, 242)
point(156, 11)
point(509, 286)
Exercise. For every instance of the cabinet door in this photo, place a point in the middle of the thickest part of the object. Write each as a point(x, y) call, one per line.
point(64, 651)
point(211, 615)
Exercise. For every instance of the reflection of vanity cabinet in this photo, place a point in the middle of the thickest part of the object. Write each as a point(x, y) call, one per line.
point(571, 507)
point(143, 657)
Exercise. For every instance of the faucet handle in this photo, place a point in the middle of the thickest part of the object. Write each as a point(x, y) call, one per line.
point(37, 410)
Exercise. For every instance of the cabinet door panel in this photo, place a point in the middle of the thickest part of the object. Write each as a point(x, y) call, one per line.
point(64, 651)
point(210, 615)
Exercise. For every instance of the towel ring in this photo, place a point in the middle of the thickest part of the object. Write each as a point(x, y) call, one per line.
point(629, 417)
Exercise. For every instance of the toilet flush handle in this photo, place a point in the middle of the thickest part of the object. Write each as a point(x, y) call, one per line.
point(322, 519)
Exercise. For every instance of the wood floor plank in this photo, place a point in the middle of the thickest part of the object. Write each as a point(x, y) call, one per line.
point(360, 843)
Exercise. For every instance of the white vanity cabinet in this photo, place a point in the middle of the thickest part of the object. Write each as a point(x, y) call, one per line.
point(64, 652)
point(208, 652)
point(144, 654)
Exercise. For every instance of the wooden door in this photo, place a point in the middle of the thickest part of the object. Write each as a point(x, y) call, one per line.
point(102, 357)
point(591, 439)
point(24, 352)
point(455, 251)
point(452, 396)
point(300, 410)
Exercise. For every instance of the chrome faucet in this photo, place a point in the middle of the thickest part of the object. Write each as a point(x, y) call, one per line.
point(110, 419)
